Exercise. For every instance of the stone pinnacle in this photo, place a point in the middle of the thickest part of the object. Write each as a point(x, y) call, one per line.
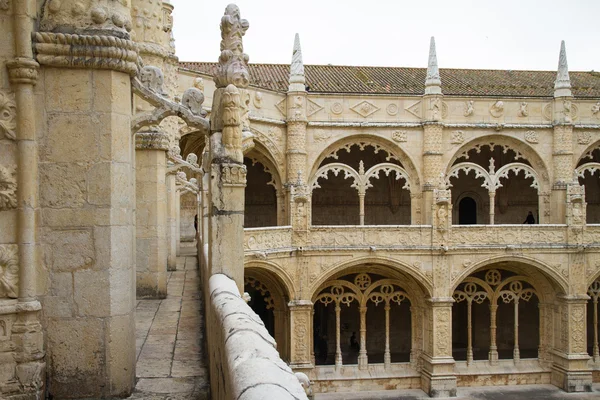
point(433, 83)
point(297, 79)
point(562, 85)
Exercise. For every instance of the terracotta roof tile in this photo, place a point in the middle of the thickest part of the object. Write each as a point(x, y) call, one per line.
point(411, 81)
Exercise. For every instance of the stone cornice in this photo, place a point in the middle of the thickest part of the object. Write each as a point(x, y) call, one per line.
point(86, 51)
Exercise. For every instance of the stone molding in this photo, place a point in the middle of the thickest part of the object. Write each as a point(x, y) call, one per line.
point(151, 141)
point(23, 70)
point(86, 51)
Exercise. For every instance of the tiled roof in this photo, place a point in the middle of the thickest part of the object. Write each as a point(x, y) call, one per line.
point(411, 81)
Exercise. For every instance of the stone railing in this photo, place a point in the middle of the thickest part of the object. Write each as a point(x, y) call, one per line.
point(274, 239)
point(245, 364)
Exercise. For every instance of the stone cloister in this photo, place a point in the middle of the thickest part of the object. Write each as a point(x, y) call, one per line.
point(361, 228)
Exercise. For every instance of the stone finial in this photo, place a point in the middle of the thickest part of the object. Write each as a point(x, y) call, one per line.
point(233, 62)
point(297, 79)
point(562, 85)
point(433, 83)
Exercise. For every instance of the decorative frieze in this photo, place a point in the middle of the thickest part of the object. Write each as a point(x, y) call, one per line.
point(233, 174)
point(151, 141)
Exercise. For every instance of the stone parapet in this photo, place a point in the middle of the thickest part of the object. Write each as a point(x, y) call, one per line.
point(244, 361)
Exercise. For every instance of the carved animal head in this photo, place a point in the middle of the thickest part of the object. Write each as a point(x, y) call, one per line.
point(152, 78)
point(193, 99)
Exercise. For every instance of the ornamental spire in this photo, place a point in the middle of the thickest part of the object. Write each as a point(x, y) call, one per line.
point(297, 80)
point(433, 83)
point(233, 62)
point(562, 85)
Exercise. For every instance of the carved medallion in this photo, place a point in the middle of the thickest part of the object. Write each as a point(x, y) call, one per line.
point(392, 109)
point(457, 137)
point(337, 108)
point(8, 111)
point(399, 136)
point(596, 110)
point(364, 108)
point(584, 137)
point(531, 137)
point(547, 111)
point(497, 109)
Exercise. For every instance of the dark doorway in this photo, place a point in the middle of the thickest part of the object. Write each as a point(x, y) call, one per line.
point(467, 211)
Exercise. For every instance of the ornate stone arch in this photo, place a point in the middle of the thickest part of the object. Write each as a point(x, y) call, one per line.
point(546, 279)
point(418, 285)
point(379, 143)
point(262, 155)
point(523, 149)
point(277, 273)
point(588, 151)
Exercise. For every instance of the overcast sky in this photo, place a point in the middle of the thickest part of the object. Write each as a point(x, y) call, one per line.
point(501, 34)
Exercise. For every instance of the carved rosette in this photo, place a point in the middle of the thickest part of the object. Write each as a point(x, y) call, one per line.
point(233, 63)
point(9, 271)
point(86, 51)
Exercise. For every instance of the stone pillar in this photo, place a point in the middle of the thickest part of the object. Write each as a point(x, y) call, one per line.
point(86, 198)
point(300, 334)
point(570, 370)
point(151, 214)
point(172, 228)
point(432, 166)
point(437, 376)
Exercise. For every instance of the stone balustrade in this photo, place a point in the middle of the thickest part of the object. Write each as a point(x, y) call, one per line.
point(242, 353)
point(277, 239)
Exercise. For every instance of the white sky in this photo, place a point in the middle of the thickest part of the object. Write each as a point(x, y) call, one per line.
point(500, 34)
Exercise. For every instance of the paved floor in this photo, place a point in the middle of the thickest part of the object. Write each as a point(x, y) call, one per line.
point(528, 392)
point(169, 335)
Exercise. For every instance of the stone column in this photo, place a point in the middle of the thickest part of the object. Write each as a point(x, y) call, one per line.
point(151, 214)
point(86, 198)
point(172, 228)
point(22, 351)
point(300, 334)
point(437, 377)
point(570, 370)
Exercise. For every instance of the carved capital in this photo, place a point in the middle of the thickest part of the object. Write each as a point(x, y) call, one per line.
point(233, 174)
point(151, 141)
point(23, 70)
point(86, 51)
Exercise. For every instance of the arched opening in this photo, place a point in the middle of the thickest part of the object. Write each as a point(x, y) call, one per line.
point(505, 181)
point(268, 299)
point(467, 211)
point(361, 184)
point(260, 207)
point(591, 181)
point(496, 316)
point(366, 318)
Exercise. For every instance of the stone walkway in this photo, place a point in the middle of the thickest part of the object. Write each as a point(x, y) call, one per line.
point(528, 392)
point(169, 339)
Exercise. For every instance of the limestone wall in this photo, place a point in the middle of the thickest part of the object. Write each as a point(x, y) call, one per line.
point(244, 361)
